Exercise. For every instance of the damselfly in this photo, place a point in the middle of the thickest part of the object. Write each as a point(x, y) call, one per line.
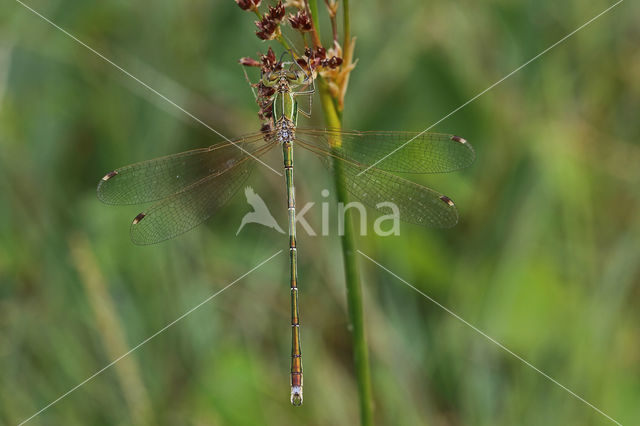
point(189, 187)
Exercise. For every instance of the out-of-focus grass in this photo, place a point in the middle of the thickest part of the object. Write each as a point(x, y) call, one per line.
point(545, 258)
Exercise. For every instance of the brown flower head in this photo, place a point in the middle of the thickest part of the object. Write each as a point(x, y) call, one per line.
point(249, 62)
point(300, 21)
point(266, 110)
point(320, 52)
point(265, 92)
point(268, 25)
point(269, 61)
point(266, 28)
point(318, 59)
point(276, 13)
point(302, 61)
point(333, 62)
point(248, 4)
point(266, 128)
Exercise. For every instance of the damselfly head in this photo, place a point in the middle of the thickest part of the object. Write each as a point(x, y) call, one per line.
point(289, 77)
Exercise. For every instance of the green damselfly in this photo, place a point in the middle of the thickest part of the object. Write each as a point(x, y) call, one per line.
point(190, 187)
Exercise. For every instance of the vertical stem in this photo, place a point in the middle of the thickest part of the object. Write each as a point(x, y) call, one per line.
point(352, 276)
point(347, 51)
point(346, 28)
point(334, 25)
point(333, 118)
point(111, 330)
point(312, 6)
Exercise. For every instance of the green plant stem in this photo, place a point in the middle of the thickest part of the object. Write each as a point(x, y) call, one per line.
point(346, 24)
point(313, 11)
point(333, 119)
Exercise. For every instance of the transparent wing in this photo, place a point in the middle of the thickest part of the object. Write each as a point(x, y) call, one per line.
point(156, 179)
point(416, 203)
point(193, 205)
point(424, 152)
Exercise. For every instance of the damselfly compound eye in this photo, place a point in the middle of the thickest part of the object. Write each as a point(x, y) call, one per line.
point(270, 79)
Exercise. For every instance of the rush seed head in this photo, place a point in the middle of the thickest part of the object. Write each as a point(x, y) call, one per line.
point(249, 62)
point(248, 4)
point(301, 21)
point(268, 26)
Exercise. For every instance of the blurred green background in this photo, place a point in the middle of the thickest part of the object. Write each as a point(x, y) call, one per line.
point(545, 258)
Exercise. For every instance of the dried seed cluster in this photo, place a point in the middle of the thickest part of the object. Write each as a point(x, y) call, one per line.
point(316, 59)
point(300, 21)
point(269, 25)
point(249, 4)
point(267, 63)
